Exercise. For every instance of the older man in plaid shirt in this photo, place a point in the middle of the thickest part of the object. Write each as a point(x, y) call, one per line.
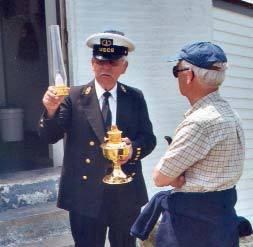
point(205, 159)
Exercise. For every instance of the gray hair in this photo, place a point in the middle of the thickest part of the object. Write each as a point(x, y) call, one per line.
point(211, 78)
point(124, 58)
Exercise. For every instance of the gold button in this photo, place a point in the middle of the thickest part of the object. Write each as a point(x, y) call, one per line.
point(41, 123)
point(139, 149)
point(87, 161)
point(85, 177)
point(136, 159)
point(138, 152)
point(92, 143)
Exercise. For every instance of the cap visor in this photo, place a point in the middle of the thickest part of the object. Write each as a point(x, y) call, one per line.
point(175, 58)
point(111, 58)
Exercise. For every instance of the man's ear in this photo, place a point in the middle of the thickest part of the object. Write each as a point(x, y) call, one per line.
point(92, 63)
point(190, 76)
point(125, 67)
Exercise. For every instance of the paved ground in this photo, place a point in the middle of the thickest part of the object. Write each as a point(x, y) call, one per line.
point(64, 240)
point(244, 242)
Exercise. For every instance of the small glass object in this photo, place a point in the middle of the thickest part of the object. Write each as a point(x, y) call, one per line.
point(57, 68)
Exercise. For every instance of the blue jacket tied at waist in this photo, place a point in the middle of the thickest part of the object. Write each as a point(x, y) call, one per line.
point(191, 219)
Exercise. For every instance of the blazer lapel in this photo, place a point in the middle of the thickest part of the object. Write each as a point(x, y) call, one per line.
point(123, 108)
point(92, 111)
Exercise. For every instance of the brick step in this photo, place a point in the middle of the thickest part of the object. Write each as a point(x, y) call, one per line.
point(26, 188)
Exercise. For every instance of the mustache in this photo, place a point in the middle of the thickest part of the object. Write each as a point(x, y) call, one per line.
point(105, 74)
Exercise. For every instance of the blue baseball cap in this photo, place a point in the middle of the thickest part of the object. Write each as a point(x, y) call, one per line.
point(201, 54)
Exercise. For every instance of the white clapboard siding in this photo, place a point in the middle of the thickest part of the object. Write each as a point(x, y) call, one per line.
point(249, 132)
point(238, 61)
point(233, 49)
point(249, 156)
point(229, 17)
point(237, 39)
point(249, 142)
point(239, 71)
point(233, 27)
point(246, 114)
point(245, 185)
point(239, 82)
point(237, 102)
point(234, 32)
point(237, 92)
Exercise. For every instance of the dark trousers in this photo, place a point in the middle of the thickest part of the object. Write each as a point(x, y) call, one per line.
point(117, 218)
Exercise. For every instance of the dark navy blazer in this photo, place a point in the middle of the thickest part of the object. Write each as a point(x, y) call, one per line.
point(79, 117)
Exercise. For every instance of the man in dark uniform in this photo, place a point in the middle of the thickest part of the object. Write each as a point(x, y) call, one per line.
point(93, 205)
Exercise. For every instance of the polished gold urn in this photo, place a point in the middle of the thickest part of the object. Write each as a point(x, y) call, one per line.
point(114, 149)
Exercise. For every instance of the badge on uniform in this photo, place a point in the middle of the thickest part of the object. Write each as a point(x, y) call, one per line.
point(123, 88)
point(87, 91)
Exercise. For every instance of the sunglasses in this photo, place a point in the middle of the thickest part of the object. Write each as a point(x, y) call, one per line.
point(113, 63)
point(175, 71)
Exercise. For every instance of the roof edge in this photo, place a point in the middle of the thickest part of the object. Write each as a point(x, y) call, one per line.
point(237, 6)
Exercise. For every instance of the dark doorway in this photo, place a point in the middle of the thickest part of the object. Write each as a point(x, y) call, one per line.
point(24, 79)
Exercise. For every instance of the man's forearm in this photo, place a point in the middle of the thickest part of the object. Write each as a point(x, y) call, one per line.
point(162, 180)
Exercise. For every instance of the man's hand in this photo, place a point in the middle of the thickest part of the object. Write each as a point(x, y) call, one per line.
point(128, 142)
point(178, 182)
point(51, 101)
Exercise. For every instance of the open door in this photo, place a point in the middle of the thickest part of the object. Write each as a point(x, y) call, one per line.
point(23, 81)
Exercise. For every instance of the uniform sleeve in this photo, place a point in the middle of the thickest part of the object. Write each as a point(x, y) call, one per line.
point(53, 129)
point(145, 140)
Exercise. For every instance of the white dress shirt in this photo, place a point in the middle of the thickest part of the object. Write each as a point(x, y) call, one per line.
point(112, 99)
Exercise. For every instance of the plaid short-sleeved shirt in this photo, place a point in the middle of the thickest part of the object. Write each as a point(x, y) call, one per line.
point(208, 146)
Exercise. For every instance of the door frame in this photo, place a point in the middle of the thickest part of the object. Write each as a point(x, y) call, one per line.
point(55, 11)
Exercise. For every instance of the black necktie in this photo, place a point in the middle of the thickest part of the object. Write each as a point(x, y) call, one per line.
point(106, 112)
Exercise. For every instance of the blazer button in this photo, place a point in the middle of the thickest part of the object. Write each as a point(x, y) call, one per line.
point(85, 177)
point(87, 161)
point(41, 123)
point(92, 143)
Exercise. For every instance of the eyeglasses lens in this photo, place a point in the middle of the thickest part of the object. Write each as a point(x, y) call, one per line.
point(113, 63)
point(175, 71)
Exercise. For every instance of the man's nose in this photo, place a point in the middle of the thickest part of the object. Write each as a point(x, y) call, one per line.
point(107, 64)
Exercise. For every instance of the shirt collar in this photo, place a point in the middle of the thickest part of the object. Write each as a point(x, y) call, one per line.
point(100, 91)
point(211, 97)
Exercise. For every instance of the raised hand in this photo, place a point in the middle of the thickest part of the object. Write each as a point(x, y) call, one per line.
point(51, 101)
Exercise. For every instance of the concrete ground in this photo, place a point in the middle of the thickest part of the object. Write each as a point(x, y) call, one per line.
point(64, 240)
